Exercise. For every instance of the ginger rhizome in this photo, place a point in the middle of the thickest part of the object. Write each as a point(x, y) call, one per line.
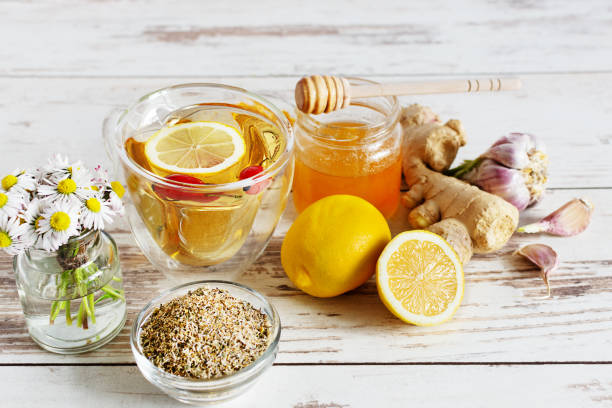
point(471, 220)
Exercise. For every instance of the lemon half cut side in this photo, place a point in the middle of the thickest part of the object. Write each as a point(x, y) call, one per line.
point(420, 278)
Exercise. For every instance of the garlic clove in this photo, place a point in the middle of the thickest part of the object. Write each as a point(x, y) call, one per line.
point(543, 256)
point(571, 219)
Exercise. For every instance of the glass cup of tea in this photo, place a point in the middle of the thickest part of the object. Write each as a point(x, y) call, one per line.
point(208, 169)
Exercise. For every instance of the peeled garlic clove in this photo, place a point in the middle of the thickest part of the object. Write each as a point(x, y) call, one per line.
point(543, 256)
point(571, 219)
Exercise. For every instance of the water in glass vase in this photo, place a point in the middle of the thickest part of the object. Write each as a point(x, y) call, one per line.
point(73, 331)
point(72, 302)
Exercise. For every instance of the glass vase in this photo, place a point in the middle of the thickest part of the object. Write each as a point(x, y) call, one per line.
point(73, 298)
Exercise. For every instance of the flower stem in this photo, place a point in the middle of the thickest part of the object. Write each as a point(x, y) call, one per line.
point(80, 280)
point(85, 303)
point(80, 316)
point(68, 315)
point(55, 309)
point(112, 292)
point(104, 296)
point(92, 309)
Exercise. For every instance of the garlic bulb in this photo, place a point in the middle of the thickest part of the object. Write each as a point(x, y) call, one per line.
point(514, 168)
point(543, 256)
point(571, 219)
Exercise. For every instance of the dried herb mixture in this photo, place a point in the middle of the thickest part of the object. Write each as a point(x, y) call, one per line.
point(206, 333)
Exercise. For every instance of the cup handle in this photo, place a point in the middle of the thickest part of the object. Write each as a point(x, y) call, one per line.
point(109, 128)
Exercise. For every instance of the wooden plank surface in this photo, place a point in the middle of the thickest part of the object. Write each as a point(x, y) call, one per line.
point(38, 115)
point(246, 38)
point(330, 387)
point(504, 316)
point(65, 64)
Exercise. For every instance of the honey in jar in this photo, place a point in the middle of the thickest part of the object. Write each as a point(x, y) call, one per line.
point(353, 151)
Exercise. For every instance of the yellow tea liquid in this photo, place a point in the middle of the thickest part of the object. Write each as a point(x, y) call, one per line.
point(204, 233)
point(344, 164)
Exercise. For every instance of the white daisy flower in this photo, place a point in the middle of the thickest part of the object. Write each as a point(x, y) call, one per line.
point(99, 177)
point(57, 161)
point(95, 212)
point(10, 235)
point(59, 222)
point(59, 167)
point(71, 189)
point(11, 203)
point(19, 181)
point(115, 194)
point(32, 217)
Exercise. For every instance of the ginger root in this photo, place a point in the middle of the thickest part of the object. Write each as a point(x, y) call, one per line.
point(455, 233)
point(469, 218)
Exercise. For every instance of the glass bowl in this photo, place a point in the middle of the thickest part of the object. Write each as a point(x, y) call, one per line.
point(215, 230)
point(209, 391)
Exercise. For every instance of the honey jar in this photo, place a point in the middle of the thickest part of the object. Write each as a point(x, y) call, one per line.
point(355, 151)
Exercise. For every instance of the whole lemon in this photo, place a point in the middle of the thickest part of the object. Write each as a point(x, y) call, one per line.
point(332, 247)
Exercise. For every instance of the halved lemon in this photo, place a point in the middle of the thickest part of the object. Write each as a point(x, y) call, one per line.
point(420, 278)
point(195, 148)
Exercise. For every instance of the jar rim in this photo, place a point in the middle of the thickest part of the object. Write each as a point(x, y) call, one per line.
point(377, 128)
point(282, 121)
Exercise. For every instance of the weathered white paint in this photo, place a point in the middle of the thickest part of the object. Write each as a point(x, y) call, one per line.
point(246, 38)
point(327, 387)
point(504, 315)
point(65, 64)
point(569, 112)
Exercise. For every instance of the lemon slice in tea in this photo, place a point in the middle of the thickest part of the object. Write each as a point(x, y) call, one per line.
point(195, 148)
point(420, 278)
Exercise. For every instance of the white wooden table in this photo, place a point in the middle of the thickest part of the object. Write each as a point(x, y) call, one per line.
point(64, 65)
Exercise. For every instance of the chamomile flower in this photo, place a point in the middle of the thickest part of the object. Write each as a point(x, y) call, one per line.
point(11, 203)
point(44, 208)
point(10, 235)
point(57, 161)
point(59, 168)
point(115, 194)
point(32, 217)
point(57, 164)
point(59, 222)
point(19, 181)
point(95, 212)
point(70, 189)
point(99, 178)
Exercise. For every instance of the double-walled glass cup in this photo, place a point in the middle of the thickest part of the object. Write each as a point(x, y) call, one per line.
point(218, 228)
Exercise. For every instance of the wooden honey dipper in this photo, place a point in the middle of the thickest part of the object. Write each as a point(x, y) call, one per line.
point(324, 93)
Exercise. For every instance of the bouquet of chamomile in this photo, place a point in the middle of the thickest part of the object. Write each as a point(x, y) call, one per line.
point(59, 210)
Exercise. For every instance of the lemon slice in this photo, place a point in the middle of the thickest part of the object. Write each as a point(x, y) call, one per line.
point(197, 148)
point(420, 278)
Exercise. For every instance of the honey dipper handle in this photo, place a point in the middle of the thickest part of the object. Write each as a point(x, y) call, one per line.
point(433, 87)
point(323, 93)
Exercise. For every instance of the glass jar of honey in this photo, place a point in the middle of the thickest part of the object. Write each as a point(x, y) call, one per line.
point(355, 151)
